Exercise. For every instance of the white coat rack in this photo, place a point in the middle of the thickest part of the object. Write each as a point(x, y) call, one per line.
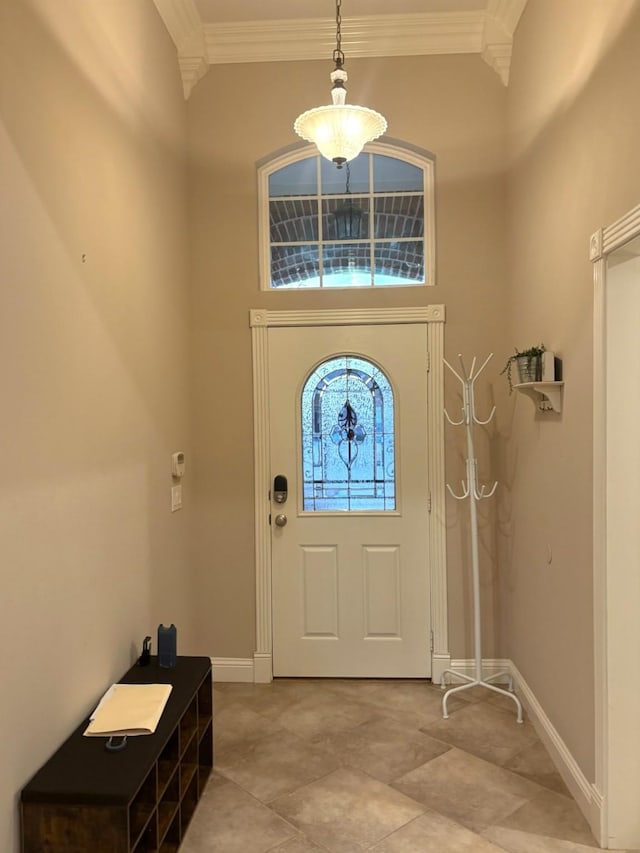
point(475, 493)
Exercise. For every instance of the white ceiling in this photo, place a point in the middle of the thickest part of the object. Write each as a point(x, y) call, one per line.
point(208, 32)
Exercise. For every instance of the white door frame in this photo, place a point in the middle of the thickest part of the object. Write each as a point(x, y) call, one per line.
point(260, 321)
point(616, 640)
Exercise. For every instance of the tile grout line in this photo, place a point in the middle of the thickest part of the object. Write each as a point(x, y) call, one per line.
point(379, 716)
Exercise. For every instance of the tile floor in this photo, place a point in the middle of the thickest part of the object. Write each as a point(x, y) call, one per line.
point(310, 766)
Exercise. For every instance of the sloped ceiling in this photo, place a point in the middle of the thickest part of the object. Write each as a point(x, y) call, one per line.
point(209, 32)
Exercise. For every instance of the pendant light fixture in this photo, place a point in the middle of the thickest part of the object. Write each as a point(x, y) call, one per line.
point(340, 130)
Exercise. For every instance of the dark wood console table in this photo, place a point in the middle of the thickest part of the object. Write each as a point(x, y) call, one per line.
point(139, 800)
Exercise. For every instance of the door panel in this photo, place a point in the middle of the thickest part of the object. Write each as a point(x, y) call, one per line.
point(350, 590)
point(381, 591)
point(319, 584)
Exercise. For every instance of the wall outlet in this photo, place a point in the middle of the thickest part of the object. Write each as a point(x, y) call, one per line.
point(176, 498)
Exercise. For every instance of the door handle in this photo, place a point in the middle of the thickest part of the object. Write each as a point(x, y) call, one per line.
point(281, 520)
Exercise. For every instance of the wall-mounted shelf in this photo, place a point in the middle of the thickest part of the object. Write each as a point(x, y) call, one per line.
point(546, 395)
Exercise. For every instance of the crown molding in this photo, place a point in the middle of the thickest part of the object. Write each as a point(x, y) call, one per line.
point(506, 13)
point(488, 33)
point(498, 57)
point(500, 22)
point(371, 35)
point(192, 69)
point(182, 20)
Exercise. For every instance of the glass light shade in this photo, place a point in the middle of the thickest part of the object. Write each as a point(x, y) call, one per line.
point(340, 131)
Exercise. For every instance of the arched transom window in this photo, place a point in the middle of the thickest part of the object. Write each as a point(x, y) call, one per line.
point(348, 445)
point(369, 224)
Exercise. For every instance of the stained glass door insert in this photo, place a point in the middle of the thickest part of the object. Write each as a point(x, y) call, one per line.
point(348, 441)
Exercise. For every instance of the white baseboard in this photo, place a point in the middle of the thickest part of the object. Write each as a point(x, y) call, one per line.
point(258, 668)
point(262, 668)
point(586, 795)
point(439, 662)
point(490, 666)
point(584, 792)
point(233, 669)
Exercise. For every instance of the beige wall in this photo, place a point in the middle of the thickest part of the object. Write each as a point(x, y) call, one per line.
point(574, 120)
point(93, 318)
point(453, 106)
point(94, 313)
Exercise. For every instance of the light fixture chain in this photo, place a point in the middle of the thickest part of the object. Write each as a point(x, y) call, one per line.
point(338, 55)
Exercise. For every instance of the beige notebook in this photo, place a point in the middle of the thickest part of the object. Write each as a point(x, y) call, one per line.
point(128, 709)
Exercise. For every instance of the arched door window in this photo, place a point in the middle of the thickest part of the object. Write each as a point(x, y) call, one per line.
point(348, 440)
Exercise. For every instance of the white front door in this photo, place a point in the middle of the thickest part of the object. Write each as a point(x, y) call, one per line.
point(350, 586)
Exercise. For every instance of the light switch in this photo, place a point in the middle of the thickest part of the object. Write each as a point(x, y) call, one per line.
point(176, 498)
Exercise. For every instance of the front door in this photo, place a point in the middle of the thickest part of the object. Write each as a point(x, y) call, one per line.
point(348, 434)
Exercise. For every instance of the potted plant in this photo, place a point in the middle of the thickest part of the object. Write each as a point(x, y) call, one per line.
point(528, 363)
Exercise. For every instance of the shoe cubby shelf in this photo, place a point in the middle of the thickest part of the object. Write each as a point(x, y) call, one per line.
point(140, 799)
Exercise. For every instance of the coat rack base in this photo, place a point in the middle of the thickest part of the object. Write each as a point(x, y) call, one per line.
point(478, 682)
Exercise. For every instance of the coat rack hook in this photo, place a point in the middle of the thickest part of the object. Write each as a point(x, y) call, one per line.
point(452, 422)
point(488, 420)
point(493, 489)
point(465, 491)
point(453, 370)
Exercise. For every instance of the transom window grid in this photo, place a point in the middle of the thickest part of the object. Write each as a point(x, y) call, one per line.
point(392, 243)
point(348, 438)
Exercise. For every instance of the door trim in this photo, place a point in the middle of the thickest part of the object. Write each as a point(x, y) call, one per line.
point(260, 320)
point(615, 638)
